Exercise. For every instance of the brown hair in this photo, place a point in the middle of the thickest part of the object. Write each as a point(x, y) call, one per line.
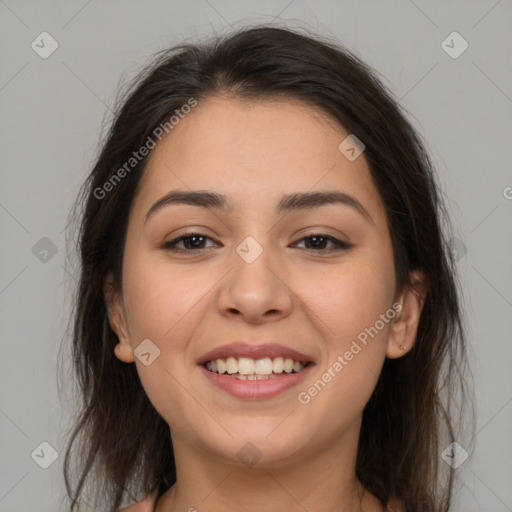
point(122, 440)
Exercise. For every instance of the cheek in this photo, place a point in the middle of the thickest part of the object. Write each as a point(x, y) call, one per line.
point(350, 297)
point(353, 304)
point(165, 307)
point(355, 349)
point(158, 299)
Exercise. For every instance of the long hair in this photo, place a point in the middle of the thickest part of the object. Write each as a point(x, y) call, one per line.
point(119, 445)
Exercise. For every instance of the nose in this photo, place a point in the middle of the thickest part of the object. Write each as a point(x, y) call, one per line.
point(256, 289)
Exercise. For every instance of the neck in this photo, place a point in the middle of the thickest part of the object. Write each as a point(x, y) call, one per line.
point(321, 481)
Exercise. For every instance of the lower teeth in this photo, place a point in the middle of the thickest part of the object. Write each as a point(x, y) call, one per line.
point(253, 377)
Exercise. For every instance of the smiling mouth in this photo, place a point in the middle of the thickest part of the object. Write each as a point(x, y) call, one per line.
point(245, 368)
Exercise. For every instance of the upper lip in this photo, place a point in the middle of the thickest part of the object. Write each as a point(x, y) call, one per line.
point(254, 351)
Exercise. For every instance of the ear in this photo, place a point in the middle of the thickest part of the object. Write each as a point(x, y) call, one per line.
point(404, 326)
point(117, 320)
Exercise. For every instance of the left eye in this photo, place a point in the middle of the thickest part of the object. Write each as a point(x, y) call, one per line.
point(315, 242)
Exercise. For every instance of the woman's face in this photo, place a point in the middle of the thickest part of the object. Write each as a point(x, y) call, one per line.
point(262, 271)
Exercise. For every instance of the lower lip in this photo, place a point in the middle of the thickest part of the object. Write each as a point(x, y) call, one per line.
point(255, 389)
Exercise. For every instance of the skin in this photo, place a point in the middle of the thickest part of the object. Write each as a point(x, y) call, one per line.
point(316, 302)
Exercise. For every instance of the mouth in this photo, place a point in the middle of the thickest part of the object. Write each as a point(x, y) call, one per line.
point(246, 368)
point(255, 371)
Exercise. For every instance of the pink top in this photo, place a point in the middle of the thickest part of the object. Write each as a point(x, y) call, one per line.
point(145, 505)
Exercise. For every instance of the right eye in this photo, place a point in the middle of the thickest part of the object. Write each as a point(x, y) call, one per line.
point(192, 242)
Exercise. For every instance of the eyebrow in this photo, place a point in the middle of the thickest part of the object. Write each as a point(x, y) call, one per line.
point(287, 203)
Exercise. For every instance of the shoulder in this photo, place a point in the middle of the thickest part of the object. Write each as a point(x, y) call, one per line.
point(145, 505)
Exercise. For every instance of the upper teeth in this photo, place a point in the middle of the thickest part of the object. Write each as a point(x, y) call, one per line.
point(248, 366)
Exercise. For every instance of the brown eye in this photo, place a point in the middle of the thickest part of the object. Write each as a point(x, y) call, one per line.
point(317, 242)
point(191, 242)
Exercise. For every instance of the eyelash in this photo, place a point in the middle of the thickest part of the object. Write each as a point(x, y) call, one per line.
point(171, 244)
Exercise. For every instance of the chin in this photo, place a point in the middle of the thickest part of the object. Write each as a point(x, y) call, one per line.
point(255, 447)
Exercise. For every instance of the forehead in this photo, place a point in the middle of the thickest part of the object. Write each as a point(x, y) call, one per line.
point(254, 152)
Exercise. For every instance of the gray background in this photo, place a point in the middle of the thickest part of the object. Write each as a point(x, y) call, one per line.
point(52, 116)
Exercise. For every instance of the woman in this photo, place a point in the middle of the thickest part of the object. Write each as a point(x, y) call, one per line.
point(267, 310)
